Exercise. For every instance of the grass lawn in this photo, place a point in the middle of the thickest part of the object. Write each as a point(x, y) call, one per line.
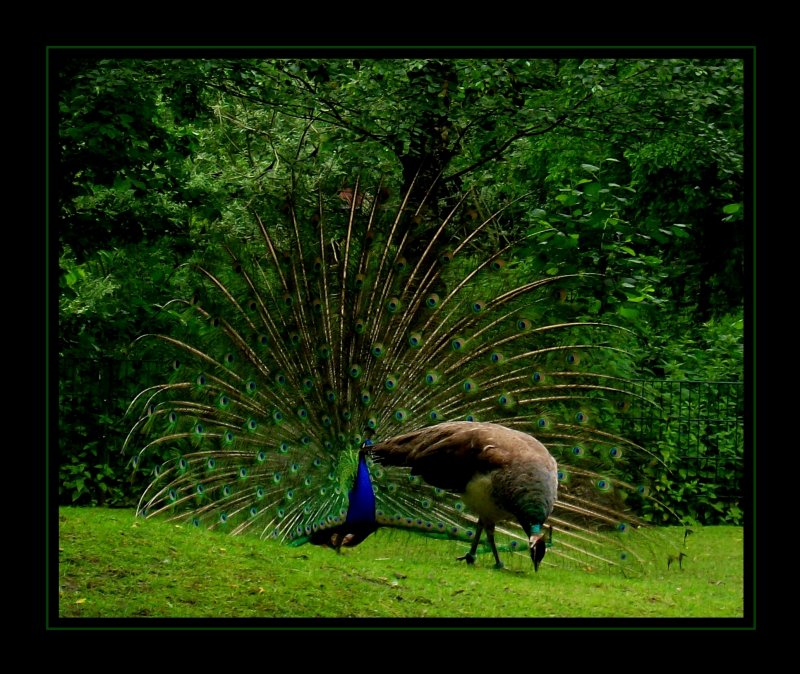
point(111, 565)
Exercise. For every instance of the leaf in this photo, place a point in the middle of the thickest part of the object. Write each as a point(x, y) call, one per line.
point(635, 298)
point(567, 199)
point(592, 189)
point(732, 208)
point(680, 232)
point(589, 167)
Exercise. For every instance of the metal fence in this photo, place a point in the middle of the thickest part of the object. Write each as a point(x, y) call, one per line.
point(700, 423)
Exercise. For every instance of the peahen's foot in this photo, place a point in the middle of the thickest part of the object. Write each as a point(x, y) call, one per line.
point(469, 557)
point(499, 565)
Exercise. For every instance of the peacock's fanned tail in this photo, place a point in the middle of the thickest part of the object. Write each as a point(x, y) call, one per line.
point(335, 326)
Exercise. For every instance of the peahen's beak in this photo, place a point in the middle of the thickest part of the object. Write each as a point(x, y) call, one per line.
point(538, 548)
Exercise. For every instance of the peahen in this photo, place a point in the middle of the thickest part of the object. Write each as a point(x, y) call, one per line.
point(501, 473)
point(358, 363)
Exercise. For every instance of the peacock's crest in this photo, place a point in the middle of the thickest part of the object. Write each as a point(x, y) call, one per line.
point(331, 325)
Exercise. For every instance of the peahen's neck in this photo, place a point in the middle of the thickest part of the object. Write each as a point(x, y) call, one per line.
point(528, 492)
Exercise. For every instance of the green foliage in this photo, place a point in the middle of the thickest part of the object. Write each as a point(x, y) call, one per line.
point(102, 308)
point(712, 351)
point(703, 445)
point(90, 476)
point(703, 489)
point(596, 237)
point(122, 159)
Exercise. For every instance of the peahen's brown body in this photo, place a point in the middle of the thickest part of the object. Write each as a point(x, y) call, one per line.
point(502, 474)
point(326, 386)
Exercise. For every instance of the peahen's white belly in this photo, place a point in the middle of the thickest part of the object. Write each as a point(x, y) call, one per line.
point(478, 498)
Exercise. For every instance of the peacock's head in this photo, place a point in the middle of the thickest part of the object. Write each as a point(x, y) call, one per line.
point(344, 535)
point(351, 537)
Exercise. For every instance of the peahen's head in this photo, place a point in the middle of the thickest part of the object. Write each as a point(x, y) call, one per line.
point(536, 539)
point(538, 547)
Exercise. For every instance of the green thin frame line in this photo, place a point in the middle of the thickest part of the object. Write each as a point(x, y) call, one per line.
point(753, 507)
point(413, 48)
point(421, 46)
point(47, 340)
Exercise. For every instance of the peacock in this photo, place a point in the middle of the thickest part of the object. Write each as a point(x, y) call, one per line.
point(368, 359)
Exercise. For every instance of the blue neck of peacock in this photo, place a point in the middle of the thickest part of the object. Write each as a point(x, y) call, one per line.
point(361, 508)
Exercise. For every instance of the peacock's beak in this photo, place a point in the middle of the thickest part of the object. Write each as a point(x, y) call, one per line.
point(538, 548)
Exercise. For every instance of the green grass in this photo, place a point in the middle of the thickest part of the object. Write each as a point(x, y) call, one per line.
point(112, 565)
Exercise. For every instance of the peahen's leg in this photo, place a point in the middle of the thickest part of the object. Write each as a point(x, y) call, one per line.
point(490, 538)
point(470, 556)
